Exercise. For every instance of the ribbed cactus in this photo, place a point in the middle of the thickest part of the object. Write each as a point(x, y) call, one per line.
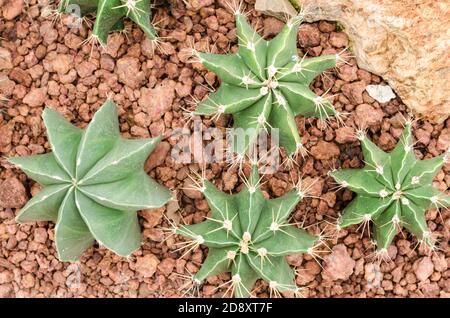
point(93, 184)
point(266, 84)
point(249, 236)
point(110, 14)
point(393, 190)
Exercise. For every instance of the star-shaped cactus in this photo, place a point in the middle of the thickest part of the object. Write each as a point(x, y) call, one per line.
point(110, 15)
point(249, 236)
point(266, 84)
point(393, 190)
point(93, 184)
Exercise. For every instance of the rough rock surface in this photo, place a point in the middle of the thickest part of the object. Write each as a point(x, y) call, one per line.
point(408, 45)
point(338, 264)
point(12, 194)
point(12, 8)
point(279, 8)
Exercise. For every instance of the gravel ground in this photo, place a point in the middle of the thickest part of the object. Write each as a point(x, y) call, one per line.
point(44, 64)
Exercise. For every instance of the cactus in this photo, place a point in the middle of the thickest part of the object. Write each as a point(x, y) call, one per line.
point(249, 236)
point(393, 191)
point(93, 183)
point(110, 14)
point(266, 84)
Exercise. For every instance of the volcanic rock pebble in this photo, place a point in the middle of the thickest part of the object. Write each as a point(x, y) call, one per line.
point(12, 193)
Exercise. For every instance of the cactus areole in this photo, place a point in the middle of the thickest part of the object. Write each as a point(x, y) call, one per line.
point(266, 84)
point(110, 14)
point(249, 236)
point(394, 190)
point(93, 184)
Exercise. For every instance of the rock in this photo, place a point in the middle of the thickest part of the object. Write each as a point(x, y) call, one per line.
point(354, 92)
point(166, 266)
point(158, 100)
point(5, 59)
point(128, 70)
point(28, 280)
point(152, 216)
point(345, 134)
point(48, 33)
point(338, 39)
point(157, 157)
point(338, 264)
point(20, 76)
point(85, 68)
point(272, 27)
point(72, 41)
point(12, 8)
point(172, 211)
point(279, 8)
point(6, 277)
point(229, 180)
point(325, 150)
point(407, 45)
point(58, 63)
point(196, 5)
point(40, 235)
point(386, 141)
point(381, 93)
point(373, 275)
point(366, 115)
point(6, 291)
point(423, 268)
point(36, 97)
point(12, 193)
point(443, 143)
point(278, 186)
point(6, 132)
point(189, 191)
point(146, 265)
point(308, 36)
point(348, 73)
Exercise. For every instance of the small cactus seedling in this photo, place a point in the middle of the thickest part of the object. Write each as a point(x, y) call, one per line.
point(266, 84)
point(93, 184)
point(393, 190)
point(249, 236)
point(110, 14)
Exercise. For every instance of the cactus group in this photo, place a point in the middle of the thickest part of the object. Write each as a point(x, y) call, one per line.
point(249, 236)
point(394, 190)
point(266, 84)
point(93, 184)
point(110, 15)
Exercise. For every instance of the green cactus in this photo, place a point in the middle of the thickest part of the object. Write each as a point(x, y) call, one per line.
point(249, 236)
point(110, 14)
point(266, 84)
point(393, 190)
point(93, 184)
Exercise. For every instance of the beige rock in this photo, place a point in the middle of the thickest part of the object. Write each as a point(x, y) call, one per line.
point(279, 8)
point(404, 42)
